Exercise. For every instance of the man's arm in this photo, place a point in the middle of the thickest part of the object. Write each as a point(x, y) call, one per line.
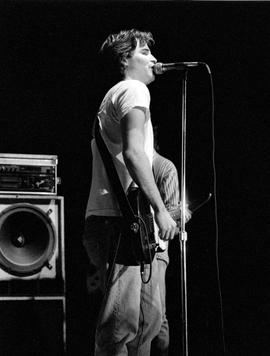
point(137, 162)
point(169, 191)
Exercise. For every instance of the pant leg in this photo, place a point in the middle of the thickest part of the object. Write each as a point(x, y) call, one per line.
point(150, 314)
point(120, 312)
point(97, 237)
point(160, 344)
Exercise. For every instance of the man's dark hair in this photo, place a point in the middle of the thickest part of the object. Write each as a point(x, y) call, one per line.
point(119, 46)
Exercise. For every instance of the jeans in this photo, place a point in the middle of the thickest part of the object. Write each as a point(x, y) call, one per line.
point(160, 344)
point(130, 314)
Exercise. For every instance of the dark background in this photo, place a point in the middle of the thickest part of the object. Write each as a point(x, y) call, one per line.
point(50, 89)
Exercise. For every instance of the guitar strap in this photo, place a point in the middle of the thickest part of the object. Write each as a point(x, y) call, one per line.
point(124, 204)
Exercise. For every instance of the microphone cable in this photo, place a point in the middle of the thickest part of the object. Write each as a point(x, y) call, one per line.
point(216, 205)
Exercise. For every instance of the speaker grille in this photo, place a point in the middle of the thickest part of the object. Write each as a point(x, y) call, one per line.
point(27, 239)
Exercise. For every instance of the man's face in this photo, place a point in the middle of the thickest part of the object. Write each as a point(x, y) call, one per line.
point(140, 65)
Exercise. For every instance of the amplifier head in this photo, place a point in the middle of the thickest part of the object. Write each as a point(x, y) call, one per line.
point(28, 174)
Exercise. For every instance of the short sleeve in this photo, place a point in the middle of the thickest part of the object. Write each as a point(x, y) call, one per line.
point(132, 94)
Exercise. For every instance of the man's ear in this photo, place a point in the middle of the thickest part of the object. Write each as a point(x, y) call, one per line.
point(124, 62)
point(123, 65)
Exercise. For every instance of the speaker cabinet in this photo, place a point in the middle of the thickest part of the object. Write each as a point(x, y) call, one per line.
point(32, 275)
point(32, 327)
point(31, 245)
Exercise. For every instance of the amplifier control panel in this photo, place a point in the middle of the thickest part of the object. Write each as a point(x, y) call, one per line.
point(31, 174)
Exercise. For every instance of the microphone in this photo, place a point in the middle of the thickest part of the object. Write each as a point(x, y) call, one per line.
point(160, 68)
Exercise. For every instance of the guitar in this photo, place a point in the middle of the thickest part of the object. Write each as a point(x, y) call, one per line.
point(145, 243)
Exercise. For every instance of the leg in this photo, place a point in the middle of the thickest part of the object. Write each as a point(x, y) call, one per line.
point(120, 312)
point(150, 314)
point(160, 345)
point(130, 314)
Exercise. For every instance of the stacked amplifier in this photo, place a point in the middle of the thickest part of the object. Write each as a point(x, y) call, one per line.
point(32, 269)
point(28, 174)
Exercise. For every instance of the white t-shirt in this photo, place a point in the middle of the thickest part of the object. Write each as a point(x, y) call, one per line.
point(118, 101)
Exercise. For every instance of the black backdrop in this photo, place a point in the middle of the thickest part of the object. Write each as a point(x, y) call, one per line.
point(50, 90)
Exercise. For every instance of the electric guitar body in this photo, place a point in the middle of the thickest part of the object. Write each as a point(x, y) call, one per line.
point(143, 242)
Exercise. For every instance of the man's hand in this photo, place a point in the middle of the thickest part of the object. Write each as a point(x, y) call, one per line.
point(166, 225)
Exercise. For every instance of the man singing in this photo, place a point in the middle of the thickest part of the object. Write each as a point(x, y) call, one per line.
point(130, 314)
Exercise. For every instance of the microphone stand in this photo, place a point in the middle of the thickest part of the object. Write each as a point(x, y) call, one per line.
point(182, 232)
